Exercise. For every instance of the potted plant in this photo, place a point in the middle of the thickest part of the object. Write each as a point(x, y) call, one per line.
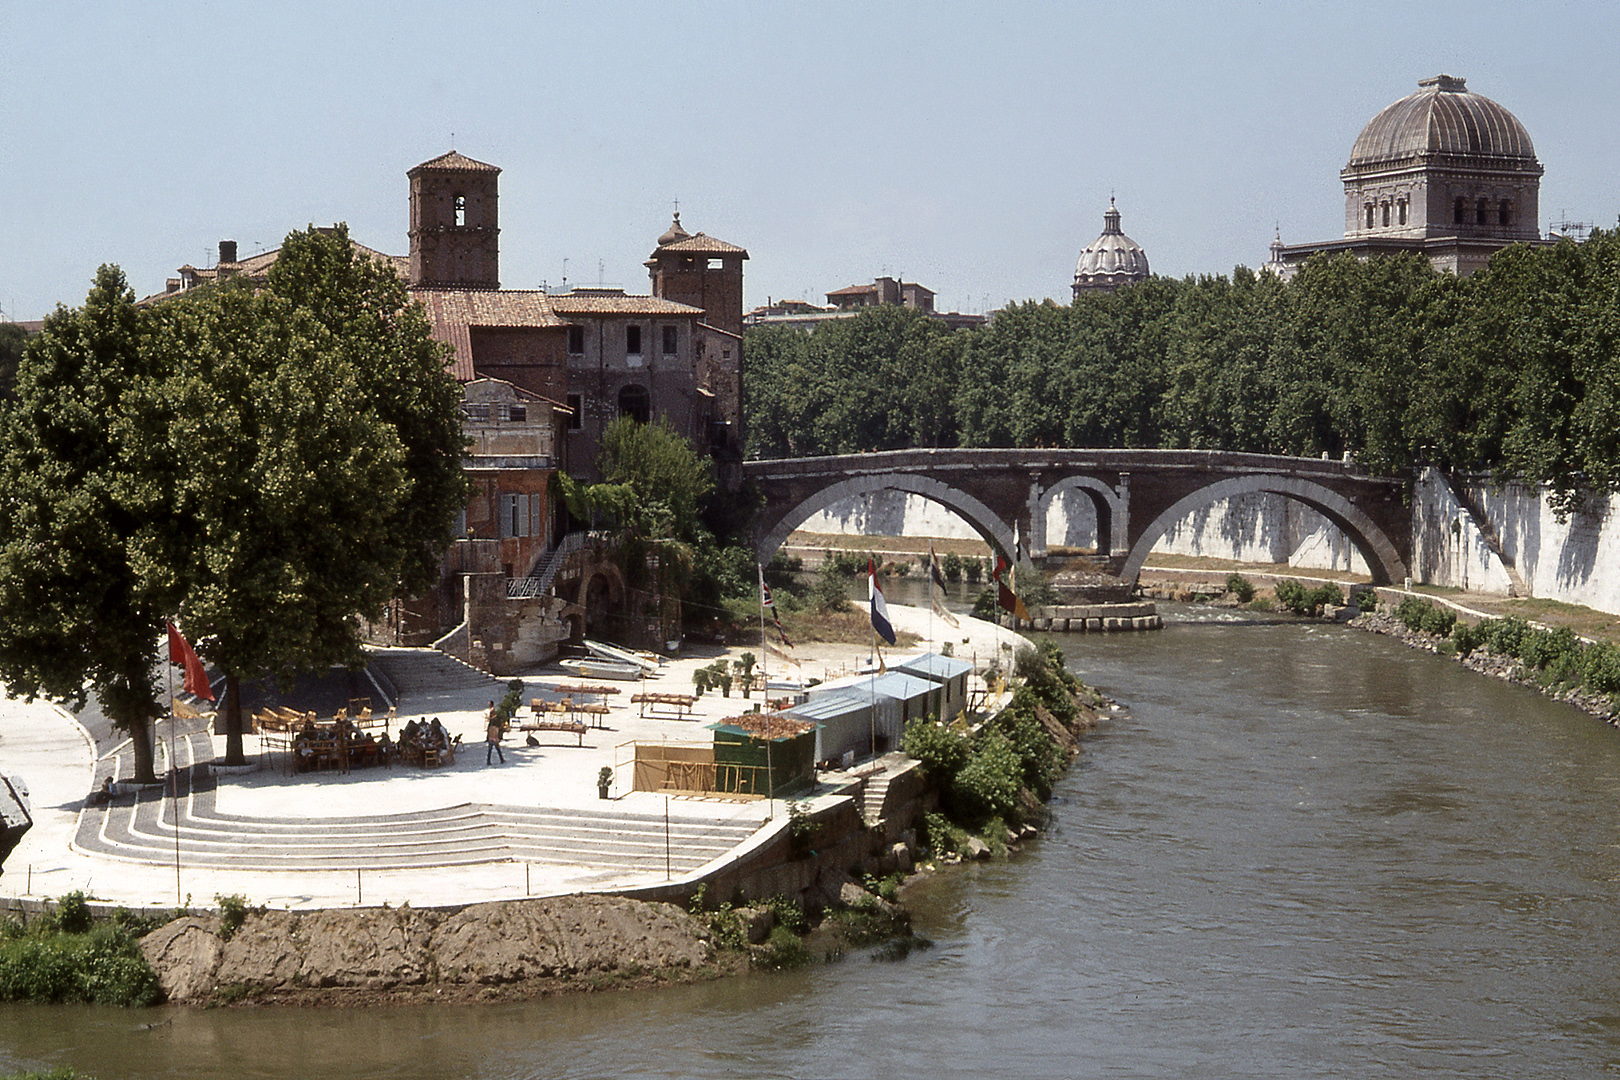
point(700, 681)
point(604, 780)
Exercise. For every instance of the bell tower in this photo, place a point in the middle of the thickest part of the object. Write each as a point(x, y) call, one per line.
point(455, 223)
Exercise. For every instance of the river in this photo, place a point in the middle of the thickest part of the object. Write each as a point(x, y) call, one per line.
point(1302, 852)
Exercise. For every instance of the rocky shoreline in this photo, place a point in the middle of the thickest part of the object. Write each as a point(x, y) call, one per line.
point(1483, 660)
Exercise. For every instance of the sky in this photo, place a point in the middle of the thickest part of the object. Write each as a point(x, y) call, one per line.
point(970, 147)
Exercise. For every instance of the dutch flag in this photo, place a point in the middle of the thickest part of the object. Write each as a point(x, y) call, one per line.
point(880, 608)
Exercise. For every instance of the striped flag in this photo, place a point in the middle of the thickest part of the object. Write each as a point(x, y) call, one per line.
point(880, 606)
point(769, 604)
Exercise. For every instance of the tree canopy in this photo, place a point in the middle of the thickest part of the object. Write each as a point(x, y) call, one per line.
point(1513, 371)
point(288, 459)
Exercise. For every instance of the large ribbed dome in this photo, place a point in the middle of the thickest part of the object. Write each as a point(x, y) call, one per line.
point(1443, 117)
point(1111, 260)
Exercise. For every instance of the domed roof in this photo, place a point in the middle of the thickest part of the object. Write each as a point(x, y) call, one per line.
point(1112, 259)
point(674, 232)
point(1443, 117)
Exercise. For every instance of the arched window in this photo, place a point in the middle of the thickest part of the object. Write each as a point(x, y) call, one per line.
point(461, 209)
point(1481, 214)
point(1369, 215)
point(1400, 211)
point(634, 403)
point(1504, 213)
point(1386, 214)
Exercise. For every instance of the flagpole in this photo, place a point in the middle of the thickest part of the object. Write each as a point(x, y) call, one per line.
point(174, 779)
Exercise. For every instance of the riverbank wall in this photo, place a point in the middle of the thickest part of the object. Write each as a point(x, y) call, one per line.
point(1467, 533)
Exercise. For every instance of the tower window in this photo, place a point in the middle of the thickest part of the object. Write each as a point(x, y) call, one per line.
point(1504, 213)
point(576, 408)
point(1386, 215)
point(461, 209)
point(576, 340)
point(671, 340)
point(1369, 215)
point(1457, 211)
point(632, 340)
point(1480, 212)
point(1400, 211)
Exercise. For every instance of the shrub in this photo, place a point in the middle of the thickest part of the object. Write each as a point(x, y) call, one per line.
point(984, 605)
point(1240, 587)
point(830, 593)
point(1291, 595)
point(72, 915)
point(943, 750)
point(988, 785)
point(1603, 668)
point(1437, 621)
point(1366, 600)
point(973, 569)
point(951, 567)
point(233, 912)
point(1410, 612)
point(101, 967)
point(1505, 636)
point(1467, 638)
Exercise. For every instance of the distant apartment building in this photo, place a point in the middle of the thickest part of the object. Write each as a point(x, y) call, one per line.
point(852, 299)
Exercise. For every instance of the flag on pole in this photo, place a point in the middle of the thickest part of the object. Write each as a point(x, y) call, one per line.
point(936, 580)
point(181, 653)
point(1005, 597)
point(880, 607)
point(769, 604)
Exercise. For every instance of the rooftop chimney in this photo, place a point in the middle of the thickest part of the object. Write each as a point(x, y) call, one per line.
point(227, 251)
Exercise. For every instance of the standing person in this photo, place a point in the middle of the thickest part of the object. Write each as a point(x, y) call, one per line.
point(493, 737)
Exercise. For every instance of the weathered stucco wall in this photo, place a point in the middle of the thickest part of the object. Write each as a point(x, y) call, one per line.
point(1576, 560)
point(1251, 528)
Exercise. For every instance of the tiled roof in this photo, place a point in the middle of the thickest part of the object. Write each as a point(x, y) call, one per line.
point(703, 244)
point(452, 311)
point(586, 302)
point(255, 267)
point(457, 161)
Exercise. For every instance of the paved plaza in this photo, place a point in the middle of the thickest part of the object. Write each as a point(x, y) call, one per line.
point(458, 833)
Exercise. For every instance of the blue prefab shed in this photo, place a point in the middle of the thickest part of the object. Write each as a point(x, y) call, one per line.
point(950, 676)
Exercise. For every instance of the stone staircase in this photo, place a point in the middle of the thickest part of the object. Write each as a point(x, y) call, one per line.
point(142, 829)
point(425, 670)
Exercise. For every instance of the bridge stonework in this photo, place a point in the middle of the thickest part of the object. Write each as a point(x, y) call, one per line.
point(1138, 495)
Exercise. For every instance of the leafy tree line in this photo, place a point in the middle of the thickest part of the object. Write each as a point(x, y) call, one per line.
point(1513, 371)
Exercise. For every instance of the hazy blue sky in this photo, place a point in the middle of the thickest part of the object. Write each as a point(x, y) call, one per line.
point(970, 147)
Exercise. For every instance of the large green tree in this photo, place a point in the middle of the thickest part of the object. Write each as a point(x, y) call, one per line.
point(313, 437)
point(79, 609)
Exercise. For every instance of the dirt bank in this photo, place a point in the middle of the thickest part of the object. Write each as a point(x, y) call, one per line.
point(520, 948)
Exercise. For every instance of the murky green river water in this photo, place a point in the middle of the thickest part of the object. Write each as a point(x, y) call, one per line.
point(1306, 852)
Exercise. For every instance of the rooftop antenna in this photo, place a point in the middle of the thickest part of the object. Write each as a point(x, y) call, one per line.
point(565, 275)
point(601, 273)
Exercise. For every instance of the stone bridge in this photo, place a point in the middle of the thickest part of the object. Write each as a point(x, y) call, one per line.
point(1138, 495)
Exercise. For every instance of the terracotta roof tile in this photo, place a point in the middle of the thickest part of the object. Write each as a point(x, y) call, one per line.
point(452, 311)
point(586, 302)
point(703, 244)
point(454, 160)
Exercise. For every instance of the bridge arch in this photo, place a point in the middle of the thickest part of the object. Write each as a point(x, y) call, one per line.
point(980, 517)
point(1382, 557)
point(1107, 506)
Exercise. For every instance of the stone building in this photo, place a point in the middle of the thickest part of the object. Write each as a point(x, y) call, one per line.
point(1445, 172)
point(1111, 260)
point(542, 376)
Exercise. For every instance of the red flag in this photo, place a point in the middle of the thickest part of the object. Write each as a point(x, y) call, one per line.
point(181, 653)
point(1005, 597)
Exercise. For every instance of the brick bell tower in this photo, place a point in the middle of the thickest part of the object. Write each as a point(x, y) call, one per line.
point(455, 223)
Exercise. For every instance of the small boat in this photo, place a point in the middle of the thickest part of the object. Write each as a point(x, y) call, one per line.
point(601, 669)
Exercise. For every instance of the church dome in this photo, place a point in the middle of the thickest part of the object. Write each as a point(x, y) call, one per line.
point(1111, 260)
point(1443, 117)
point(674, 232)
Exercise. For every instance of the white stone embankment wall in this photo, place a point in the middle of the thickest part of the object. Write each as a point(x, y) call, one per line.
point(1251, 528)
point(1576, 560)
